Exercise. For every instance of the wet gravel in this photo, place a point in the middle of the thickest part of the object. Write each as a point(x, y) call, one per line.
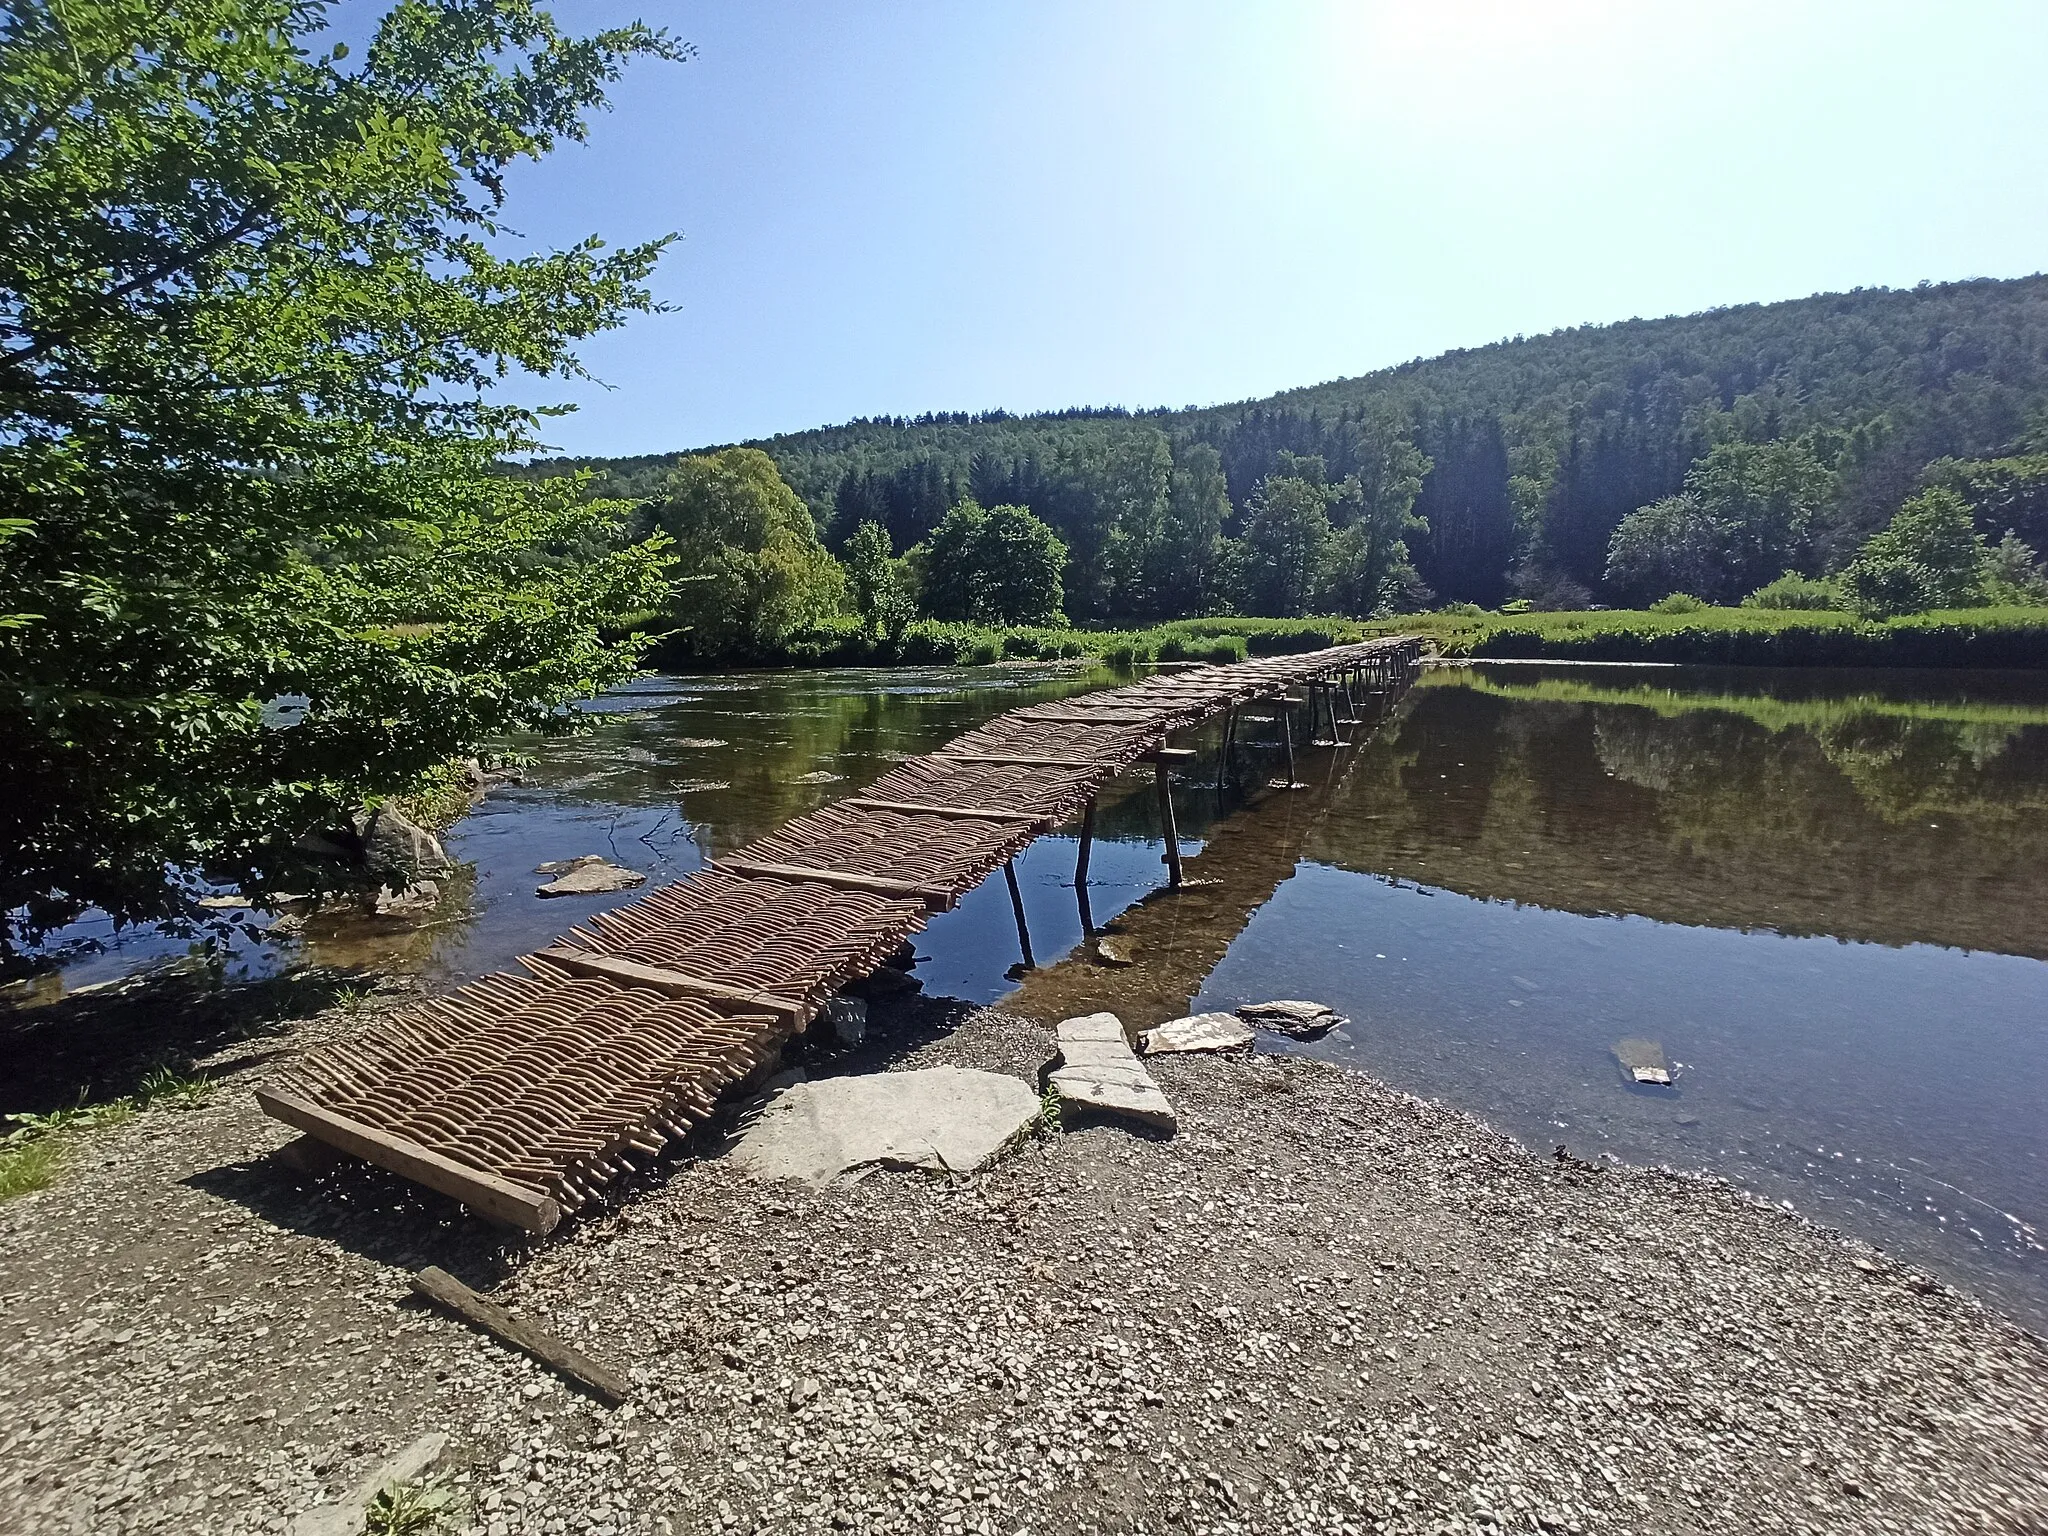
point(1323, 1306)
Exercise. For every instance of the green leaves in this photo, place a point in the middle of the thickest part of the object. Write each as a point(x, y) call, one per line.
point(251, 310)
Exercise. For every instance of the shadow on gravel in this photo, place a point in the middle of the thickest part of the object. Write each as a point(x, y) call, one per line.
point(372, 1214)
point(98, 1046)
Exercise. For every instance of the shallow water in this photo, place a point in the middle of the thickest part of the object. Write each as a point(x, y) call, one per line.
point(1821, 893)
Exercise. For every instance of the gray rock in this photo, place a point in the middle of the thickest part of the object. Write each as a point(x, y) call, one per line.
point(1197, 1032)
point(848, 1017)
point(948, 1119)
point(591, 876)
point(1099, 1071)
point(346, 1517)
point(1293, 1018)
point(392, 845)
point(421, 896)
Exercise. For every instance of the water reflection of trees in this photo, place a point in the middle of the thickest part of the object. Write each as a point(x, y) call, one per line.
point(1903, 822)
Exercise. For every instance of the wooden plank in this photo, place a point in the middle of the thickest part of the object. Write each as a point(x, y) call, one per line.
point(956, 812)
point(662, 978)
point(442, 1288)
point(499, 1199)
point(1168, 755)
point(998, 760)
point(934, 898)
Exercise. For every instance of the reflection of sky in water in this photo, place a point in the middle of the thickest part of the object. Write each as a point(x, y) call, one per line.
point(1884, 1090)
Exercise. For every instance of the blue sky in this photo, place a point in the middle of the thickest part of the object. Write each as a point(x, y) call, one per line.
point(896, 207)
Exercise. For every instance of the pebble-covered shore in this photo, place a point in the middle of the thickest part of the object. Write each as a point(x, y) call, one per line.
point(1321, 1306)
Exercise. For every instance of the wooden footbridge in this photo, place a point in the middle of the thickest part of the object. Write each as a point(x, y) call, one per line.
point(523, 1095)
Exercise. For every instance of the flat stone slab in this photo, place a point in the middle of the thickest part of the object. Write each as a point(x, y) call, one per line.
point(587, 876)
point(1293, 1018)
point(1197, 1032)
point(1099, 1071)
point(947, 1119)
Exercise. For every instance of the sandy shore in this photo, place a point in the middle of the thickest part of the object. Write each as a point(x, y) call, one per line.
point(1322, 1306)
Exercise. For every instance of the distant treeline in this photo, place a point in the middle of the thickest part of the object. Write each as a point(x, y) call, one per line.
point(1501, 472)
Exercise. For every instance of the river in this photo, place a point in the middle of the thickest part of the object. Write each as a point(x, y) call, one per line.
point(1824, 895)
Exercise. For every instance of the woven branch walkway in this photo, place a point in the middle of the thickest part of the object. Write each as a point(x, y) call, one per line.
point(521, 1096)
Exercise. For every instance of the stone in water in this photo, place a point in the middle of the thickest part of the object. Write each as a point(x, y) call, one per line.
point(590, 876)
point(1197, 1032)
point(1642, 1061)
point(1293, 1018)
point(1099, 1071)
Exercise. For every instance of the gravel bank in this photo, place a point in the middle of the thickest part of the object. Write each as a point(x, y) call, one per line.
point(1323, 1306)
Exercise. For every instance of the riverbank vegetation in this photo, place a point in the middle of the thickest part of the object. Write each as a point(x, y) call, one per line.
point(1608, 465)
point(257, 563)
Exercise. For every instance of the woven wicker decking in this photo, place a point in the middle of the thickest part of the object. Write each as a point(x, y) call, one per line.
point(522, 1095)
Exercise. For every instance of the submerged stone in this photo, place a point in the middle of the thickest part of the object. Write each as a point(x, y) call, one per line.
point(947, 1119)
point(1293, 1018)
point(589, 876)
point(1197, 1032)
point(1642, 1061)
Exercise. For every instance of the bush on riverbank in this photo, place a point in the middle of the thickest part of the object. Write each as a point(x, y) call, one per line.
point(1771, 637)
point(1766, 637)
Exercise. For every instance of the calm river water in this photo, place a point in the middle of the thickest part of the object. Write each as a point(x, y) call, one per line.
point(1824, 894)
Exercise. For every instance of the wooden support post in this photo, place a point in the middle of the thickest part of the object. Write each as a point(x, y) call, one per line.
point(1017, 908)
point(1223, 752)
point(1167, 828)
point(1081, 871)
point(442, 1288)
point(1287, 736)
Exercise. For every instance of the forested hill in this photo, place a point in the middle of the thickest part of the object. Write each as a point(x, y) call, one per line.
point(1536, 448)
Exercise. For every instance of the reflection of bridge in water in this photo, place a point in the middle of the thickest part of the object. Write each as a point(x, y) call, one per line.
point(1173, 938)
point(522, 1096)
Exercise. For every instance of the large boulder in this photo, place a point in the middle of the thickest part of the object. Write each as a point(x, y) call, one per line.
point(393, 846)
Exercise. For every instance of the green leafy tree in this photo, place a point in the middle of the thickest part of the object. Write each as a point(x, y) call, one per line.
point(261, 566)
point(1286, 541)
point(1000, 566)
point(1672, 545)
point(1367, 568)
point(873, 579)
point(1747, 510)
point(947, 563)
point(1017, 565)
point(1183, 558)
point(750, 571)
point(1929, 556)
point(2013, 574)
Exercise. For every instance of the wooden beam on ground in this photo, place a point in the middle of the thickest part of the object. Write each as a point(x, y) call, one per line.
point(442, 1288)
point(499, 1199)
point(934, 898)
point(954, 812)
point(664, 979)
